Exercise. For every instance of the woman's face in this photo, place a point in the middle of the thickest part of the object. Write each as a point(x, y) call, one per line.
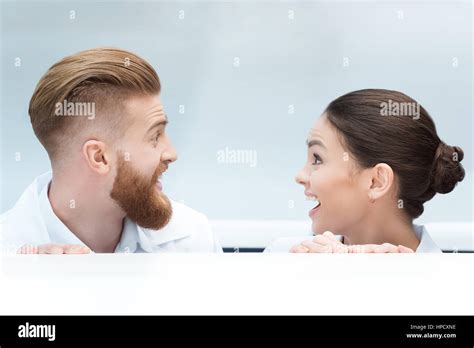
point(331, 175)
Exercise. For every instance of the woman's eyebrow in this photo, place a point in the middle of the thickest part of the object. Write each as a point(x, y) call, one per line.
point(315, 142)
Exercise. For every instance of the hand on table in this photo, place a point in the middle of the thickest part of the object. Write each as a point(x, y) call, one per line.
point(53, 249)
point(329, 243)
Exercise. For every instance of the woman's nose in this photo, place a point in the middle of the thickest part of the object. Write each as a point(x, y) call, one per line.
point(301, 178)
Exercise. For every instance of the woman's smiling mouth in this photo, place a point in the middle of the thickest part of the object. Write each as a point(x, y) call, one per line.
point(312, 197)
point(313, 211)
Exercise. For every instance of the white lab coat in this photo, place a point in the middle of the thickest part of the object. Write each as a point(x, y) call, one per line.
point(283, 245)
point(32, 221)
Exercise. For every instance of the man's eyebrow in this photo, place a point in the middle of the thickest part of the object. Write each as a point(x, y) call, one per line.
point(315, 142)
point(158, 124)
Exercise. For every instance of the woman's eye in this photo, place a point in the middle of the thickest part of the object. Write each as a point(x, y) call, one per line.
point(157, 136)
point(317, 159)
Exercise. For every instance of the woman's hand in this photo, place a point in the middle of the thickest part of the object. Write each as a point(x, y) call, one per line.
point(322, 243)
point(329, 243)
point(379, 249)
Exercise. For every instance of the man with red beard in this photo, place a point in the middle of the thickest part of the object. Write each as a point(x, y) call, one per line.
point(99, 115)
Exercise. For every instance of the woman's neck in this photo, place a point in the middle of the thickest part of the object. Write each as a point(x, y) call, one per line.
point(387, 228)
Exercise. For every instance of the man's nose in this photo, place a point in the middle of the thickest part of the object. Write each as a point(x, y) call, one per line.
point(169, 155)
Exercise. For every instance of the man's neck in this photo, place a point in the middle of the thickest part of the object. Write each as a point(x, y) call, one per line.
point(96, 221)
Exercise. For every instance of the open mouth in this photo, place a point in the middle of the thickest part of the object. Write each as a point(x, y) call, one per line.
point(159, 174)
point(316, 208)
point(158, 184)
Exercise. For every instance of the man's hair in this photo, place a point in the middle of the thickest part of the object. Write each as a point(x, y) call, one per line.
point(104, 77)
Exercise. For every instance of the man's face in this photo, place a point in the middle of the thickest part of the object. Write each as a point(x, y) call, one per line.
point(143, 156)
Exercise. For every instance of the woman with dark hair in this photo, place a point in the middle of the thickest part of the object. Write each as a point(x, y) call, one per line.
point(374, 158)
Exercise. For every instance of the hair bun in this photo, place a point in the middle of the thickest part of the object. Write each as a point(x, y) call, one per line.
point(447, 169)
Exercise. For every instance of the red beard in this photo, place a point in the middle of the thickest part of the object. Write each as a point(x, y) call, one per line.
point(139, 198)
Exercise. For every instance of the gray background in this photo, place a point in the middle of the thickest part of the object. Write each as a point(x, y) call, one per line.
point(283, 62)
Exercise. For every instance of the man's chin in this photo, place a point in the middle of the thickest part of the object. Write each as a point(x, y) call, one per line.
point(153, 213)
point(143, 204)
point(156, 224)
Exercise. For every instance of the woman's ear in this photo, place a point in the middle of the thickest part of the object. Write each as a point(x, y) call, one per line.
point(96, 157)
point(382, 181)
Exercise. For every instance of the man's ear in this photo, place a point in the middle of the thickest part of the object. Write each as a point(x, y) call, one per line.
point(382, 181)
point(96, 157)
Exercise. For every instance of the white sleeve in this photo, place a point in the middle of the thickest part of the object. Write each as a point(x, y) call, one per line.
point(216, 245)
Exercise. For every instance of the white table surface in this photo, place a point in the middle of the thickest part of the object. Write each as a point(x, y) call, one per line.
point(418, 284)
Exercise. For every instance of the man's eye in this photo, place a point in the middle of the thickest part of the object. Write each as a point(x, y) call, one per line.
point(317, 159)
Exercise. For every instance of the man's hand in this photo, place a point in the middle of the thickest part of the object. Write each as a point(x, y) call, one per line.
point(53, 249)
point(328, 243)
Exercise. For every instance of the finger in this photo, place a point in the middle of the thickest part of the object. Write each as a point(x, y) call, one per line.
point(330, 235)
point(374, 248)
point(317, 248)
point(299, 249)
point(362, 248)
point(334, 244)
point(340, 248)
point(21, 250)
point(387, 248)
point(336, 247)
point(404, 249)
point(50, 249)
point(322, 239)
point(75, 249)
point(85, 250)
point(27, 249)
